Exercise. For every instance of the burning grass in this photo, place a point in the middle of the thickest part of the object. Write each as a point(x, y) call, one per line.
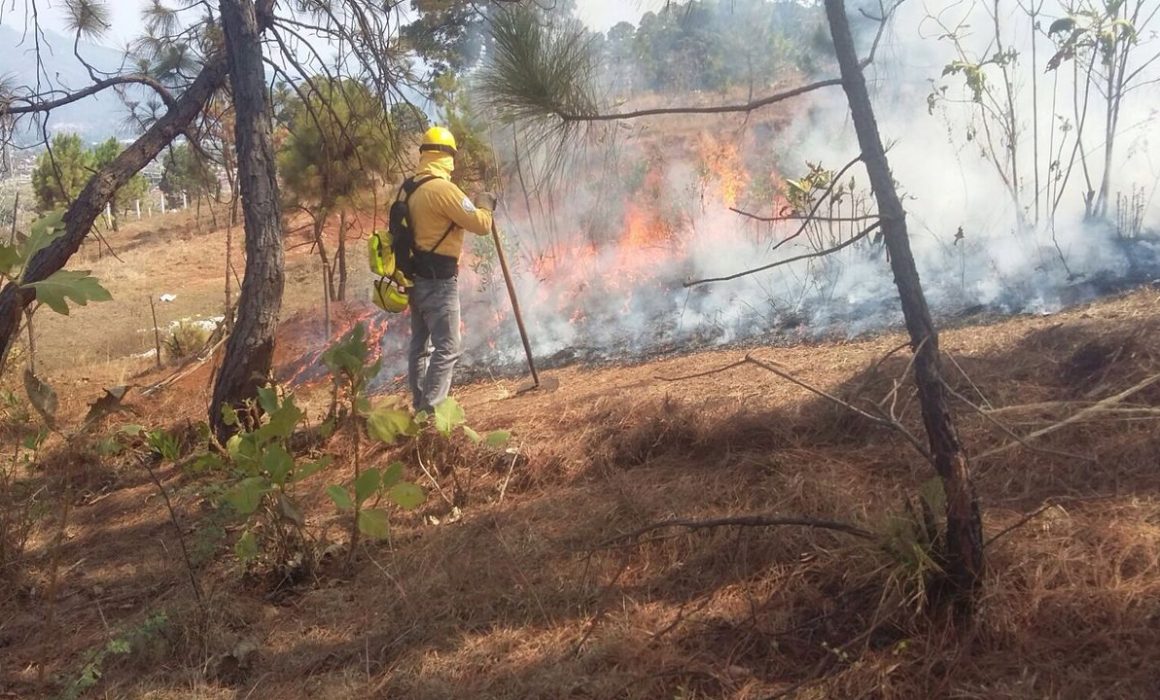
point(522, 597)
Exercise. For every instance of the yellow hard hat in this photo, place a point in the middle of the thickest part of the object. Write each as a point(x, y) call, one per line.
point(439, 139)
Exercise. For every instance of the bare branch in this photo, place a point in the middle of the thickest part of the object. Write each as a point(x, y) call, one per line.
point(39, 103)
point(817, 254)
point(1098, 406)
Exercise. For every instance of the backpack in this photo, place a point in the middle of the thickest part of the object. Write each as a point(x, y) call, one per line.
point(392, 252)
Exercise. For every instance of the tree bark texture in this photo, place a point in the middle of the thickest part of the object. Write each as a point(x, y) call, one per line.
point(250, 349)
point(80, 216)
point(964, 537)
point(340, 256)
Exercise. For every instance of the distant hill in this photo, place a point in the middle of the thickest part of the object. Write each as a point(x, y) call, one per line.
point(94, 118)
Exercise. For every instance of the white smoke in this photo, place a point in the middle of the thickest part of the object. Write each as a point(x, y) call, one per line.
point(973, 247)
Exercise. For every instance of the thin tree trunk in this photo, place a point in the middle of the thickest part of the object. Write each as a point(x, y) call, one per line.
point(340, 256)
point(228, 312)
point(964, 540)
point(83, 212)
point(250, 349)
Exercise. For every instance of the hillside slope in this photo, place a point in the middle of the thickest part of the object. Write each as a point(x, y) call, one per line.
point(526, 592)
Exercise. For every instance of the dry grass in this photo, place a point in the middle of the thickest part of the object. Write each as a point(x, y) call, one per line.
point(515, 600)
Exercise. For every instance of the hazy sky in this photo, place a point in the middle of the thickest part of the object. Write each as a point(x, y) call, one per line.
point(126, 15)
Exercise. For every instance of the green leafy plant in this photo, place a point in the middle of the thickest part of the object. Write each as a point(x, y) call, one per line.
point(348, 362)
point(186, 340)
point(266, 473)
point(915, 540)
point(134, 641)
point(62, 286)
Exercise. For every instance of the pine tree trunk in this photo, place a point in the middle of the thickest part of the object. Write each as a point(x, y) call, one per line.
point(341, 257)
point(98, 192)
point(250, 350)
point(964, 540)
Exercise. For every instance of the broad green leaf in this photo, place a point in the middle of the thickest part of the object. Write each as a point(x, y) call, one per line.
point(247, 547)
point(340, 497)
point(42, 233)
point(268, 399)
point(392, 475)
point(449, 415)
point(374, 523)
point(388, 424)
point(246, 495)
point(132, 430)
point(282, 422)
point(366, 484)
point(362, 405)
point(109, 447)
point(234, 446)
point(277, 463)
point(348, 355)
point(498, 438)
point(290, 510)
point(208, 462)
point(244, 452)
point(327, 428)
point(407, 495)
point(229, 415)
point(34, 441)
point(472, 435)
point(9, 258)
point(63, 285)
point(311, 468)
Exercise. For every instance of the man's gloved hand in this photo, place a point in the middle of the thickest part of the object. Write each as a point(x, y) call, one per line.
point(487, 201)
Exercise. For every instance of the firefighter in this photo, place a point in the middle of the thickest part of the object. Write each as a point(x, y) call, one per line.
point(440, 214)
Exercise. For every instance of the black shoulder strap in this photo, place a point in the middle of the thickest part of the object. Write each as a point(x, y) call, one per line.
point(409, 187)
point(445, 235)
point(411, 184)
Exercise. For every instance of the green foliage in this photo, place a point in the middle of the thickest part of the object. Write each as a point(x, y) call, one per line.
point(408, 119)
point(184, 169)
point(61, 172)
point(149, 633)
point(714, 45)
point(63, 285)
point(538, 69)
point(475, 162)
point(56, 290)
point(131, 191)
point(265, 472)
point(915, 541)
point(186, 340)
point(340, 141)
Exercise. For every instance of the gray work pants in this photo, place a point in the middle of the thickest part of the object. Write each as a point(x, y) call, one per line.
point(434, 322)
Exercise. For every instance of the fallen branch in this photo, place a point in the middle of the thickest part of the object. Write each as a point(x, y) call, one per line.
point(742, 521)
point(879, 420)
point(1098, 406)
point(1022, 521)
point(186, 370)
point(1011, 433)
point(698, 375)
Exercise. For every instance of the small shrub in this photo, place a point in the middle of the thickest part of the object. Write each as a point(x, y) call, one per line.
point(187, 340)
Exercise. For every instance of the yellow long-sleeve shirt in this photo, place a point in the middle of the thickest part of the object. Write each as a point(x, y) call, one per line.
point(439, 203)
